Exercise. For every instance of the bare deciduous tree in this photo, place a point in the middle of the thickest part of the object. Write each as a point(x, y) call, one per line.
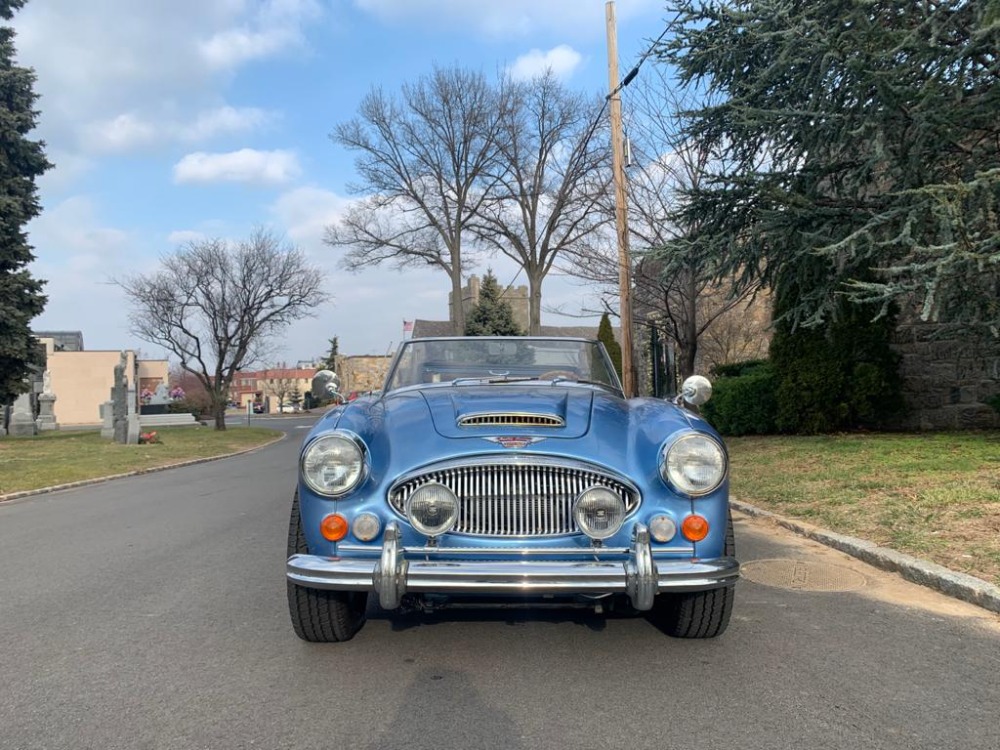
point(675, 281)
point(421, 158)
point(214, 304)
point(551, 171)
point(277, 383)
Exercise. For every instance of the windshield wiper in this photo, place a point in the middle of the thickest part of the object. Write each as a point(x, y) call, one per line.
point(490, 380)
point(562, 379)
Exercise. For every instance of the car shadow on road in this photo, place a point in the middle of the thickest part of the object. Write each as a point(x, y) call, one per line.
point(512, 616)
point(443, 707)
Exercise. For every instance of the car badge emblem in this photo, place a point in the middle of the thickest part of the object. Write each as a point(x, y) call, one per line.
point(514, 441)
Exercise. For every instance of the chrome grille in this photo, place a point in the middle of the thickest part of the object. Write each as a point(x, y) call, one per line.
point(511, 420)
point(515, 500)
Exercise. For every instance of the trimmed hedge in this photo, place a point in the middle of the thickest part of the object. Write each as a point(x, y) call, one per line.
point(746, 403)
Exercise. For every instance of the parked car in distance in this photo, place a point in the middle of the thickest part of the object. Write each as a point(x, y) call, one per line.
point(258, 408)
point(514, 471)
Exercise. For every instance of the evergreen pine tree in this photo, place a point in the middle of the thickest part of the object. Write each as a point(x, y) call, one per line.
point(492, 316)
point(331, 362)
point(606, 335)
point(22, 160)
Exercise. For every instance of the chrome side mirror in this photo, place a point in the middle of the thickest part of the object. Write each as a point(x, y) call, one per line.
point(325, 384)
point(696, 390)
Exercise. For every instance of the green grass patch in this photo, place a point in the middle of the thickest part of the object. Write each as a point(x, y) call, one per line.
point(934, 495)
point(61, 457)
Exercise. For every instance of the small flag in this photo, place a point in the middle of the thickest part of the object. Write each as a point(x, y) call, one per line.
point(407, 326)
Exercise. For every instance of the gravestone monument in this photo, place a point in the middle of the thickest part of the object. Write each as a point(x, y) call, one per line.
point(22, 421)
point(119, 402)
point(132, 421)
point(107, 410)
point(46, 405)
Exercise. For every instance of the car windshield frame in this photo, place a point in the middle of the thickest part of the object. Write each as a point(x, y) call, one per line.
point(499, 360)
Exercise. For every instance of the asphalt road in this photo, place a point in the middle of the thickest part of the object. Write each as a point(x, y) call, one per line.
point(150, 613)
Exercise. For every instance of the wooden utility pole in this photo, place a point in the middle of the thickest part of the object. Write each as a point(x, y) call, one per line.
point(621, 206)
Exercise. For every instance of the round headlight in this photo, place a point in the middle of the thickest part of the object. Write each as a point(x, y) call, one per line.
point(432, 509)
point(695, 464)
point(599, 512)
point(333, 464)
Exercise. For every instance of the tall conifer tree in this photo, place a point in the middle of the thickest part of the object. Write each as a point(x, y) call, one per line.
point(22, 160)
point(491, 316)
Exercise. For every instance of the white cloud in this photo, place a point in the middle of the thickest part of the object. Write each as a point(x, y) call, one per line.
point(116, 75)
point(225, 121)
point(131, 132)
point(246, 165)
point(229, 49)
point(275, 27)
point(126, 132)
point(304, 214)
point(561, 60)
point(78, 256)
point(511, 18)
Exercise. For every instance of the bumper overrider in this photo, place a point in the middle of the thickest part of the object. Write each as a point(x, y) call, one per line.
point(392, 575)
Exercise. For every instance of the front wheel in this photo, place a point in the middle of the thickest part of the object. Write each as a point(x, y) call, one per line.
point(699, 614)
point(320, 615)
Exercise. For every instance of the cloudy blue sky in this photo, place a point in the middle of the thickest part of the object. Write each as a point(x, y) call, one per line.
point(171, 120)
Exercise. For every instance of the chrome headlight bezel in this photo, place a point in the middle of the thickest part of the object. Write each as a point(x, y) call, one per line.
point(675, 479)
point(355, 477)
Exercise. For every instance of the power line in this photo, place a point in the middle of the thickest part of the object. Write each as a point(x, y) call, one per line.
point(630, 76)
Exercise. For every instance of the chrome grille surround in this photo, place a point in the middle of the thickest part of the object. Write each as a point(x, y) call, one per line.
point(507, 496)
point(510, 419)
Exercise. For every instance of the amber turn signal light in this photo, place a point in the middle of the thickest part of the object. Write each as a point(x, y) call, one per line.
point(694, 528)
point(334, 527)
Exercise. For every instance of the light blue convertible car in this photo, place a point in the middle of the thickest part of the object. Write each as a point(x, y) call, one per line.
point(511, 471)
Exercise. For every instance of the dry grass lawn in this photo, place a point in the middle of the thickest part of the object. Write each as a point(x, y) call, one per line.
point(932, 495)
point(61, 457)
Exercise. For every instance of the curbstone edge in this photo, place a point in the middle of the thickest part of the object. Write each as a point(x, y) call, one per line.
point(956, 585)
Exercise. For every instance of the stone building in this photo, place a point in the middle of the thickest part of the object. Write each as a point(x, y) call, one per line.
point(363, 372)
point(515, 296)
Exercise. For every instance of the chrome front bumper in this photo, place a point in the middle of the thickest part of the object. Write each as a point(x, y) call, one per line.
point(392, 575)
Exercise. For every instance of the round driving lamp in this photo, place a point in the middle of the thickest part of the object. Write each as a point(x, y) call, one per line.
point(432, 509)
point(366, 527)
point(694, 464)
point(662, 528)
point(333, 464)
point(599, 512)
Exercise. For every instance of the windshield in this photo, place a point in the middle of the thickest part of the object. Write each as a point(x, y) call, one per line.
point(499, 360)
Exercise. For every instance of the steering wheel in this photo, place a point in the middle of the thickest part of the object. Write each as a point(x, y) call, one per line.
point(553, 374)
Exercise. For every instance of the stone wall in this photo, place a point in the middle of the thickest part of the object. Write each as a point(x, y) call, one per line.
point(363, 372)
point(947, 379)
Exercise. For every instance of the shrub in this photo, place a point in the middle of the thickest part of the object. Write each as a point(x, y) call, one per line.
point(745, 404)
point(839, 375)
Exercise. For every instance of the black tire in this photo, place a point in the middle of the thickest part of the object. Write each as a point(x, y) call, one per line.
point(320, 615)
point(699, 614)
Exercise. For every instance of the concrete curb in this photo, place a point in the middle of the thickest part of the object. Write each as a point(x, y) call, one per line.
point(954, 584)
point(11, 497)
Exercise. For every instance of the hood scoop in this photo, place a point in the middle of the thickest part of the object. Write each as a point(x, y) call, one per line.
point(510, 419)
point(474, 412)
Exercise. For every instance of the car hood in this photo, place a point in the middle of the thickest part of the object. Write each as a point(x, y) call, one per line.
point(506, 408)
point(413, 427)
